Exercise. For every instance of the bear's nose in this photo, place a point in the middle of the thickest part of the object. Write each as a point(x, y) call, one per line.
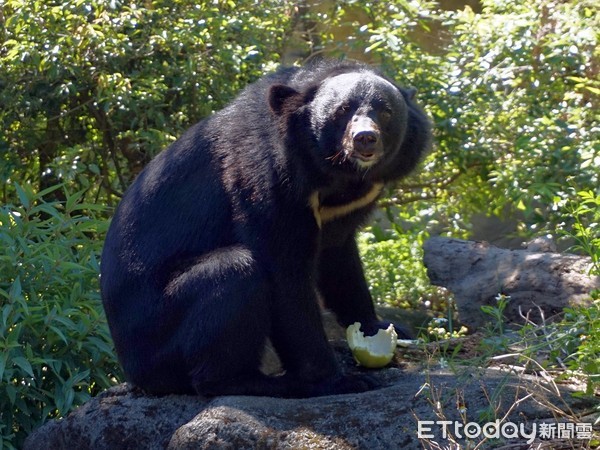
point(365, 138)
point(365, 143)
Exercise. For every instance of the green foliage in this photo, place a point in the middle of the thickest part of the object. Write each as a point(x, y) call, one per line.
point(570, 348)
point(586, 226)
point(392, 275)
point(535, 122)
point(585, 322)
point(496, 312)
point(90, 91)
point(440, 329)
point(55, 350)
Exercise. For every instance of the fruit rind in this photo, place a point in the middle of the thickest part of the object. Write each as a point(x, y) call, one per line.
point(372, 351)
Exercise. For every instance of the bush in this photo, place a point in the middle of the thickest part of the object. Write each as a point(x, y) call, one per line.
point(394, 271)
point(582, 325)
point(55, 349)
point(390, 268)
point(92, 90)
point(586, 226)
point(581, 329)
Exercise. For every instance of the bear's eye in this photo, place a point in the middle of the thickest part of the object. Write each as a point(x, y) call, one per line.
point(344, 109)
point(385, 115)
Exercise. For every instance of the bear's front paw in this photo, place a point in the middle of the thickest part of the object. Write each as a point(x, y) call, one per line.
point(371, 328)
point(345, 384)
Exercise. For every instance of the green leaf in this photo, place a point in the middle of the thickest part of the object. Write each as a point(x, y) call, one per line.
point(72, 200)
point(24, 196)
point(11, 392)
point(15, 290)
point(24, 365)
point(49, 190)
point(59, 333)
point(3, 360)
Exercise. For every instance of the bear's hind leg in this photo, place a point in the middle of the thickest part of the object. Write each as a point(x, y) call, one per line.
point(221, 338)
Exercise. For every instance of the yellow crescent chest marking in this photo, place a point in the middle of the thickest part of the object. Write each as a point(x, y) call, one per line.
point(324, 214)
point(313, 202)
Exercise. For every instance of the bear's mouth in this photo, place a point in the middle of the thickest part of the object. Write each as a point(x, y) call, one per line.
point(364, 156)
point(360, 159)
point(363, 159)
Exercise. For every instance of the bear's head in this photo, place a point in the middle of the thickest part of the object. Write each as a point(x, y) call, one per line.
point(360, 123)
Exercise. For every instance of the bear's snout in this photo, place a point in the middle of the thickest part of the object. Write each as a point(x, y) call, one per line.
point(366, 141)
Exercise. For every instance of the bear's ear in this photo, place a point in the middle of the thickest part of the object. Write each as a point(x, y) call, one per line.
point(411, 93)
point(284, 98)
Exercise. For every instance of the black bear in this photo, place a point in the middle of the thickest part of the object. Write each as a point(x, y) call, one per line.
point(232, 234)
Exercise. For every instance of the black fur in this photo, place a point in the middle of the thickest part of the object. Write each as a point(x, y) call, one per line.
point(226, 237)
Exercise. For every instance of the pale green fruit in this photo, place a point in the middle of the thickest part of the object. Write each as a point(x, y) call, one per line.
point(372, 351)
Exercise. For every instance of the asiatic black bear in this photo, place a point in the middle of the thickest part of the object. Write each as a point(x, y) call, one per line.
point(226, 237)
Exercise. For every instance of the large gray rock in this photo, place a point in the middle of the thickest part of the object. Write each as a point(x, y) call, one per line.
point(123, 418)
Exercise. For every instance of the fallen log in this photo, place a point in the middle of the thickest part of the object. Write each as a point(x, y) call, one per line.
point(539, 283)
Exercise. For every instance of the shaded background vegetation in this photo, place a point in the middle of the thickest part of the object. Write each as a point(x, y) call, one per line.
point(91, 90)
